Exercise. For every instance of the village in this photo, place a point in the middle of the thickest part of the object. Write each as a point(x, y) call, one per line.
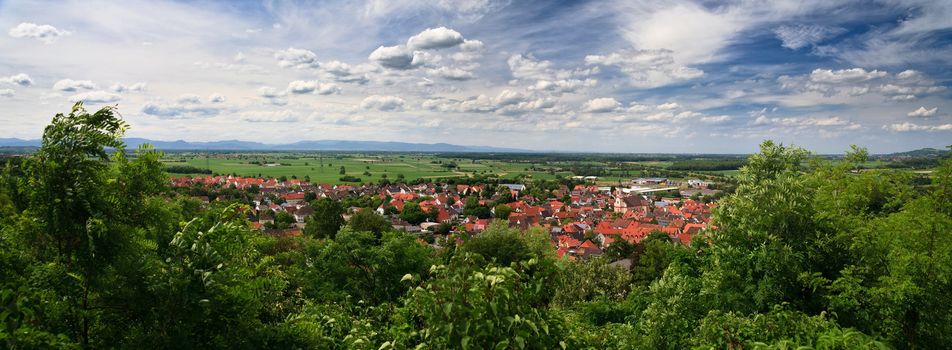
point(583, 219)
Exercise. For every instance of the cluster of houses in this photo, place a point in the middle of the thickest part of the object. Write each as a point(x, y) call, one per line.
point(582, 220)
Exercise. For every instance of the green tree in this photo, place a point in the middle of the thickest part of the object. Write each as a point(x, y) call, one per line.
point(369, 221)
point(74, 210)
point(502, 211)
point(412, 213)
point(326, 220)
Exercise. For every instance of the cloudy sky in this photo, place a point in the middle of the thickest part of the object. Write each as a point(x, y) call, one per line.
point(612, 75)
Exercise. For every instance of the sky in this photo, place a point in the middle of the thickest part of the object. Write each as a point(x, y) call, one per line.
point(633, 76)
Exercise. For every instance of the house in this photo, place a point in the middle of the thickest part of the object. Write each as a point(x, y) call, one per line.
point(628, 203)
point(515, 187)
point(303, 212)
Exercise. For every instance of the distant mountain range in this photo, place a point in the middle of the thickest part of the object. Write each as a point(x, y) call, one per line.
point(322, 145)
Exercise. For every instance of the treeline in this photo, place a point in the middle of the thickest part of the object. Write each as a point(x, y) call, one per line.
point(96, 252)
point(185, 169)
point(708, 164)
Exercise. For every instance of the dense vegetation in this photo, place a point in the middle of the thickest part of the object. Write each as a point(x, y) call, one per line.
point(96, 252)
point(707, 164)
point(185, 169)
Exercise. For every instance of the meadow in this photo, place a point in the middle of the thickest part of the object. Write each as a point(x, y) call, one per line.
point(327, 168)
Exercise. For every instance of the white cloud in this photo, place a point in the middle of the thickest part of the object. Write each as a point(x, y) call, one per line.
point(6, 92)
point(185, 107)
point(188, 99)
point(120, 88)
point(453, 73)
point(909, 127)
point(296, 58)
point(73, 85)
point(269, 92)
point(562, 86)
point(806, 122)
point(795, 37)
point(844, 76)
point(718, 119)
point(601, 105)
point(435, 38)
point(471, 45)
point(527, 67)
point(904, 86)
point(43, 32)
point(97, 96)
point(922, 112)
point(282, 116)
point(383, 103)
point(396, 57)
point(668, 106)
point(646, 68)
point(346, 73)
point(310, 86)
point(216, 98)
point(17, 79)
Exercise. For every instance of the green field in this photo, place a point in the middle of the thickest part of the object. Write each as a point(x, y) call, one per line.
point(410, 166)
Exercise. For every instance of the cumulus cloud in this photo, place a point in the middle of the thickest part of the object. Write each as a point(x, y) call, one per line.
point(469, 45)
point(269, 92)
point(385, 103)
point(547, 78)
point(601, 105)
point(668, 106)
point(43, 32)
point(296, 58)
point(435, 38)
point(185, 107)
point(508, 102)
point(805, 122)
point(563, 85)
point(905, 86)
point(310, 86)
point(216, 98)
point(844, 76)
point(346, 73)
point(188, 99)
point(73, 85)
point(396, 57)
point(6, 92)
point(922, 112)
point(909, 127)
point(120, 88)
point(449, 73)
point(97, 96)
point(795, 37)
point(646, 68)
point(17, 79)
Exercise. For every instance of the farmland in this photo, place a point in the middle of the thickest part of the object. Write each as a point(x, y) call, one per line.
point(373, 167)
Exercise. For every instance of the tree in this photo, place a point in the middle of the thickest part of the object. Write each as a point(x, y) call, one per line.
point(412, 213)
point(505, 195)
point(468, 305)
point(502, 211)
point(342, 170)
point(856, 156)
point(75, 211)
point(326, 220)
point(368, 220)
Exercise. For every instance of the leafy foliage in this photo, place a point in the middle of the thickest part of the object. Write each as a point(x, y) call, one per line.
point(97, 252)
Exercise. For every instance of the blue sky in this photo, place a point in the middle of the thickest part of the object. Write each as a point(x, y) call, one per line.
point(612, 75)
